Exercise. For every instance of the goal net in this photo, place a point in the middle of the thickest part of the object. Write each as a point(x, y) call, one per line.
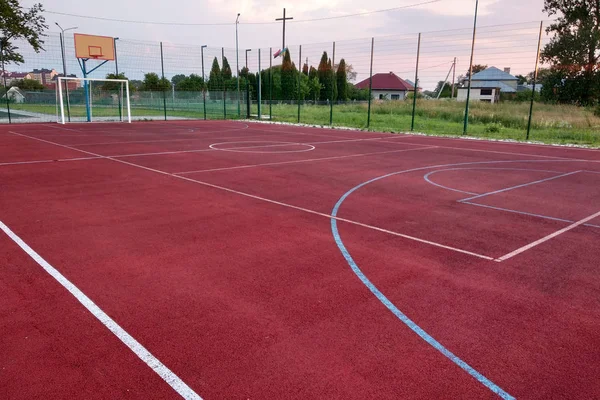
point(92, 99)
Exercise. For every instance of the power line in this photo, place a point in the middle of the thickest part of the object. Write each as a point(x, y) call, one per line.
point(232, 23)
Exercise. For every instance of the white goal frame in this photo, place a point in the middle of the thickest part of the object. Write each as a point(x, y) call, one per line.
point(59, 89)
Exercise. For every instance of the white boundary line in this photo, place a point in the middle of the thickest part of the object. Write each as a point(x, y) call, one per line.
point(143, 354)
point(328, 216)
point(302, 161)
point(49, 161)
point(518, 186)
point(546, 238)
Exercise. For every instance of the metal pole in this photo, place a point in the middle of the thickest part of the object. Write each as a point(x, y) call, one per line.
point(370, 84)
point(237, 65)
point(162, 66)
point(203, 81)
point(299, 77)
point(88, 111)
point(466, 123)
point(259, 95)
point(224, 88)
point(271, 82)
point(412, 123)
point(535, 76)
point(453, 76)
point(117, 77)
point(5, 88)
point(334, 83)
point(62, 51)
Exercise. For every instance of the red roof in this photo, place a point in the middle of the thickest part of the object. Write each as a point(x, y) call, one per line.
point(389, 81)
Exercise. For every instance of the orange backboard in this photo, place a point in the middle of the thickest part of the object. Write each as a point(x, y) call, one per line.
point(95, 47)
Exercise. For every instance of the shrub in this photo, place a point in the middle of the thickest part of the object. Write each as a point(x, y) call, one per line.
point(494, 127)
point(597, 111)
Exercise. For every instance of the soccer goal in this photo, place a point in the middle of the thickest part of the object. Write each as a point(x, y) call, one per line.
point(92, 99)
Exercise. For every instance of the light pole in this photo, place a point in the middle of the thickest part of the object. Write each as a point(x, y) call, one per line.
point(237, 61)
point(62, 50)
point(203, 80)
point(247, 50)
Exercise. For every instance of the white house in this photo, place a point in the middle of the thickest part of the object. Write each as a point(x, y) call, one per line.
point(15, 94)
point(488, 84)
point(387, 87)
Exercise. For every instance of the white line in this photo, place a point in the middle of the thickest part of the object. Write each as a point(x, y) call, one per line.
point(49, 161)
point(546, 238)
point(518, 186)
point(592, 172)
point(269, 200)
point(154, 363)
point(302, 161)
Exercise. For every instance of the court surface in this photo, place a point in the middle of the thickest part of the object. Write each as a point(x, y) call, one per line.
point(232, 260)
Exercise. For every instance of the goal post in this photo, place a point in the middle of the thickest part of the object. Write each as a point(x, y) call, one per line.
point(123, 95)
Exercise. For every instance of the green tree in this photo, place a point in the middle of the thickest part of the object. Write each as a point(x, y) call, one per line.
point(314, 87)
point(342, 81)
point(574, 50)
point(288, 78)
point(177, 78)
point(192, 83)
point(305, 69)
point(446, 92)
point(215, 80)
point(28, 84)
point(226, 71)
point(150, 82)
point(327, 79)
point(19, 25)
point(112, 86)
point(522, 80)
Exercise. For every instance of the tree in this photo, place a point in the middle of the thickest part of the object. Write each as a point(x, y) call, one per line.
point(28, 84)
point(192, 83)
point(244, 72)
point(112, 86)
point(476, 69)
point(153, 83)
point(305, 69)
point(522, 80)
point(288, 78)
point(574, 50)
point(341, 81)
point(327, 79)
point(226, 71)
point(177, 78)
point(446, 92)
point(215, 79)
point(314, 88)
point(16, 24)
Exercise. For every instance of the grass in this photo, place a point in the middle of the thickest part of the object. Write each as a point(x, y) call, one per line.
point(508, 120)
point(560, 124)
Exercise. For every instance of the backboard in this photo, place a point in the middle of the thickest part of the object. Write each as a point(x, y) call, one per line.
point(95, 47)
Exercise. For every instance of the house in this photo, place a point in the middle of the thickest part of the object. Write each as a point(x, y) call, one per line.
point(12, 77)
point(15, 95)
point(488, 84)
point(43, 76)
point(72, 85)
point(387, 86)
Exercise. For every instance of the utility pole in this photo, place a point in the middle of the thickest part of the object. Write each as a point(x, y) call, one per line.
point(284, 19)
point(453, 76)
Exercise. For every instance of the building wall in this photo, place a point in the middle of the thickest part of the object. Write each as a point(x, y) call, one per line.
point(477, 96)
point(387, 94)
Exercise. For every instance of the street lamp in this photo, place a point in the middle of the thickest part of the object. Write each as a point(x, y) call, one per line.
point(237, 61)
point(247, 50)
point(62, 51)
point(203, 80)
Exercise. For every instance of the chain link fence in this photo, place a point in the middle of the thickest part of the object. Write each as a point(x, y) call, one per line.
point(397, 83)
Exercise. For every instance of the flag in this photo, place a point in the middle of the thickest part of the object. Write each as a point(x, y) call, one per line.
point(279, 52)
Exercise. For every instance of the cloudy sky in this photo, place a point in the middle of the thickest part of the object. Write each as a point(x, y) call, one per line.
point(447, 24)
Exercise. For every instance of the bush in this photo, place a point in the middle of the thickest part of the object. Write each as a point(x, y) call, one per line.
point(597, 111)
point(493, 128)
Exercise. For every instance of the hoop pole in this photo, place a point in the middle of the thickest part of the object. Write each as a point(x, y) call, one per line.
point(88, 111)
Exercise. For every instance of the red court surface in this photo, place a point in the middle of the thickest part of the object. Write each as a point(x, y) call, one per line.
point(232, 260)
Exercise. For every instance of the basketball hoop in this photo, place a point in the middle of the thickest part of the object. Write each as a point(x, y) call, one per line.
point(94, 47)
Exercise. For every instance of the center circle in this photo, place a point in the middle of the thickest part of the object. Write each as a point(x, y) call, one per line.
point(264, 146)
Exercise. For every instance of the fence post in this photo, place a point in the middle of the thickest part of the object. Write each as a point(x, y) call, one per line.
point(466, 122)
point(203, 81)
point(162, 66)
point(259, 94)
point(333, 86)
point(224, 87)
point(5, 89)
point(370, 84)
point(412, 123)
point(299, 80)
point(535, 76)
point(62, 53)
point(270, 84)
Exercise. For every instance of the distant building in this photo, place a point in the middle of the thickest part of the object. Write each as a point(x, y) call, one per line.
point(43, 76)
point(488, 84)
point(387, 86)
point(72, 85)
point(12, 77)
point(15, 94)
point(522, 88)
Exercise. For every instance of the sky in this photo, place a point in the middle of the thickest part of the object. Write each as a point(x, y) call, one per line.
point(395, 32)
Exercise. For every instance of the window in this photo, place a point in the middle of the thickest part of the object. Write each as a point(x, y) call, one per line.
point(486, 92)
point(381, 97)
point(395, 97)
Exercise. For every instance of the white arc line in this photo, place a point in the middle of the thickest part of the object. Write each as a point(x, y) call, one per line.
point(165, 373)
point(546, 238)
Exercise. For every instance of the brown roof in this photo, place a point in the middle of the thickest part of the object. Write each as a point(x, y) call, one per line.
point(389, 81)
